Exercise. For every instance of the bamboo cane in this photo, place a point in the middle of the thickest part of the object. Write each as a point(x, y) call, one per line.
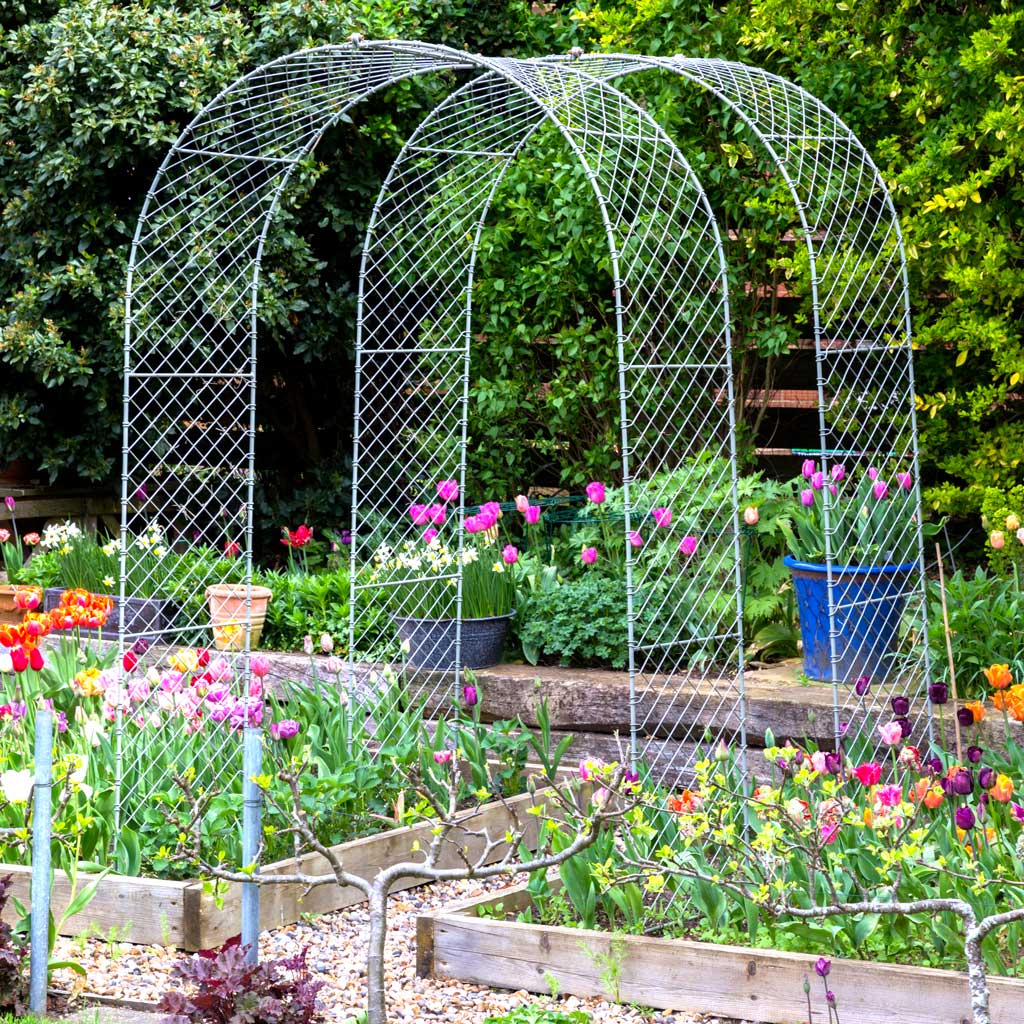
point(949, 653)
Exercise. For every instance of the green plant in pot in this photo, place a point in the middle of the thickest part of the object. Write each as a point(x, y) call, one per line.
point(869, 527)
point(422, 589)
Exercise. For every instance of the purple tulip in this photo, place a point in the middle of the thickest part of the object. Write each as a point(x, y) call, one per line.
point(974, 754)
point(962, 783)
point(833, 763)
point(10, 503)
point(807, 498)
point(938, 693)
point(964, 818)
point(934, 764)
point(817, 480)
point(986, 777)
point(905, 727)
point(1017, 811)
point(862, 685)
point(469, 696)
point(822, 966)
point(965, 716)
point(900, 706)
point(808, 468)
point(286, 729)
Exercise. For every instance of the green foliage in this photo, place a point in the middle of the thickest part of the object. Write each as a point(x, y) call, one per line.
point(537, 1013)
point(986, 622)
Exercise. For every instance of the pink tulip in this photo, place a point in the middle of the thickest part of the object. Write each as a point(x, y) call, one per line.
point(889, 796)
point(491, 509)
point(420, 514)
point(807, 498)
point(872, 473)
point(532, 515)
point(522, 503)
point(510, 554)
point(284, 730)
point(260, 665)
point(595, 492)
point(448, 490)
point(688, 545)
point(905, 480)
point(443, 756)
point(635, 539)
point(817, 480)
point(662, 516)
point(436, 514)
point(880, 489)
point(429, 534)
point(588, 556)
point(891, 733)
point(474, 524)
point(751, 516)
point(838, 473)
point(5, 536)
point(997, 539)
point(808, 468)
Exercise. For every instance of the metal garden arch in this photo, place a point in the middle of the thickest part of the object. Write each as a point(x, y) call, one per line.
point(191, 313)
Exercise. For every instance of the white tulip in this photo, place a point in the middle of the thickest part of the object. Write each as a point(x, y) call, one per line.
point(16, 786)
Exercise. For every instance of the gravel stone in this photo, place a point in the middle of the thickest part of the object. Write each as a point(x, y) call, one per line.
point(336, 950)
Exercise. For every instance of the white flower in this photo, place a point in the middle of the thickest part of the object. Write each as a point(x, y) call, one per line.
point(59, 535)
point(93, 731)
point(16, 786)
point(6, 664)
point(108, 581)
point(159, 552)
point(1020, 535)
point(405, 647)
point(470, 555)
point(77, 766)
point(497, 567)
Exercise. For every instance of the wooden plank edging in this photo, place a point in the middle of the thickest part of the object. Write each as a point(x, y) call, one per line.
point(731, 981)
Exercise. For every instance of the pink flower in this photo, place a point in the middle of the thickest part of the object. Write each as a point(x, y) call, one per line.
point(436, 513)
point(872, 473)
point(284, 730)
point(833, 490)
point(334, 665)
point(31, 539)
point(448, 490)
point(997, 539)
point(880, 489)
point(869, 773)
point(889, 796)
point(588, 556)
point(5, 536)
point(635, 539)
point(590, 768)
point(838, 473)
point(807, 498)
point(260, 665)
point(171, 681)
point(891, 733)
point(532, 514)
point(595, 492)
point(751, 516)
point(443, 756)
point(474, 524)
point(492, 510)
point(219, 670)
point(808, 468)
point(420, 514)
point(522, 503)
point(662, 516)
point(429, 534)
point(905, 480)
point(817, 480)
point(688, 545)
point(818, 762)
point(510, 554)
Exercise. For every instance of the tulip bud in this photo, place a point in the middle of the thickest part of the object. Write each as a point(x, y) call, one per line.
point(751, 516)
point(326, 643)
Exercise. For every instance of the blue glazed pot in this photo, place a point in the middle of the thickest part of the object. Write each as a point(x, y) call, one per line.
point(868, 601)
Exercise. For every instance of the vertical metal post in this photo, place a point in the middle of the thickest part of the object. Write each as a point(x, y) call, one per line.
point(252, 765)
point(39, 952)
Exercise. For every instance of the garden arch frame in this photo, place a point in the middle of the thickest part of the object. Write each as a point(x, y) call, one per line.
point(192, 297)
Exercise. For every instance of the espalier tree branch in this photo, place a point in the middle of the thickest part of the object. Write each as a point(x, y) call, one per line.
point(558, 804)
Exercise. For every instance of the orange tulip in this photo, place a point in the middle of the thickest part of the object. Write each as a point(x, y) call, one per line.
point(998, 676)
point(1002, 789)
point(976, 708)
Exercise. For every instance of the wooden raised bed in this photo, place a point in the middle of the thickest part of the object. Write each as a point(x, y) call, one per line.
point(731, 981)
point(152, 911)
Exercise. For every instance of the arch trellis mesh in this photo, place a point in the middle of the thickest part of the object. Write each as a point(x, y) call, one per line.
point(190, 357)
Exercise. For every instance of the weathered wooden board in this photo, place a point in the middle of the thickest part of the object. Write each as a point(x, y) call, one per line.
point(730, 981)
point(149, 911)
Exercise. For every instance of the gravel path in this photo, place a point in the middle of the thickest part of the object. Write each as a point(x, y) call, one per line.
point(336, 952)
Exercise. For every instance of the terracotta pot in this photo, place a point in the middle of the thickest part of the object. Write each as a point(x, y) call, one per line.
point(228, 614)
point(10, 613)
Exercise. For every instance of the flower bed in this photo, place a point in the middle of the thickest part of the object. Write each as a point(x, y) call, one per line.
point(730, 981)
point(186, 914)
